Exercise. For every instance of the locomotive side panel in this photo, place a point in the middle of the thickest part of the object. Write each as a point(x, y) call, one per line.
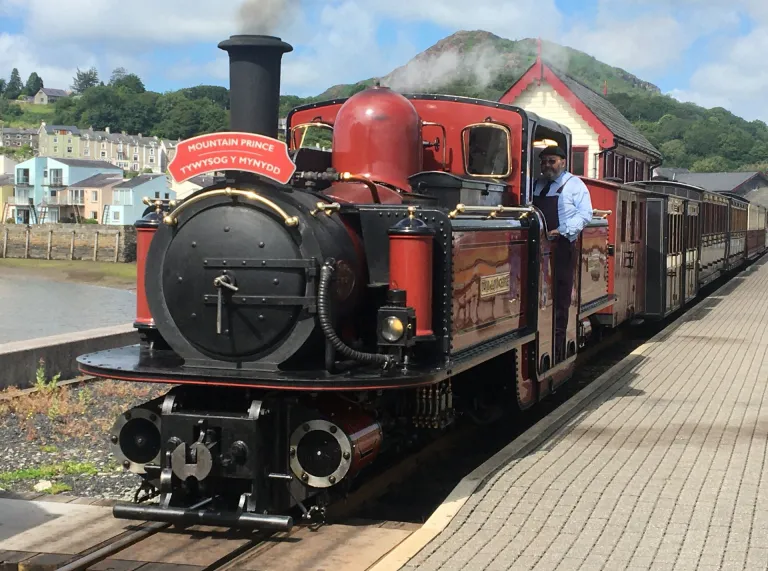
point(594, 268)
point(488, 289)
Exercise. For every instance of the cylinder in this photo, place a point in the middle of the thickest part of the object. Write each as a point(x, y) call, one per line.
point(411, 244)
point(254, 82)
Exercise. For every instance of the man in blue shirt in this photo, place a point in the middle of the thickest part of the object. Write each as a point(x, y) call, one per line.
point(565, 203)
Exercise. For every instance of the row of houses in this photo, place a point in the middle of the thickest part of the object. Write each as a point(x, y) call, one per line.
point(129, 152)
point(53, 190)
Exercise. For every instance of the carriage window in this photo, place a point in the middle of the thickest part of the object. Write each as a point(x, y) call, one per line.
point(641, 225)
point(486, 150)
point(632, 221)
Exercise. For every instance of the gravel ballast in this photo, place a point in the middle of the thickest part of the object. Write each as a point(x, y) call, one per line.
point(56, 440)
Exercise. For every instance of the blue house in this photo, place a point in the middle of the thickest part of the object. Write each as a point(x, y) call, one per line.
point(126, 206)
point(40, 188)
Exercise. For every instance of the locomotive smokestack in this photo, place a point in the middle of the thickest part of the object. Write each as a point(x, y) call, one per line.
point(254, 82)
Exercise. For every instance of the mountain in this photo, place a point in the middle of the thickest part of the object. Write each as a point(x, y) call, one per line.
point(483, 65)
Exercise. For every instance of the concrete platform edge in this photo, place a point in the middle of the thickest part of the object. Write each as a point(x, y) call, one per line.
point(442, 516)
point(19, 360)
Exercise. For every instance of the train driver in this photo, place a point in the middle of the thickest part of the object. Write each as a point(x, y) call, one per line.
point(567, 208)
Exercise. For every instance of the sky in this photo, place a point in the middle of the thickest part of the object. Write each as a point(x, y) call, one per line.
point(709, 52)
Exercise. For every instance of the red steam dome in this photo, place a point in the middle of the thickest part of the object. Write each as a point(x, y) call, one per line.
point(377, 133)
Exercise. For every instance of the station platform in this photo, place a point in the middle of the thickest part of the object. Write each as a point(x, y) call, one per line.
point(658, 464)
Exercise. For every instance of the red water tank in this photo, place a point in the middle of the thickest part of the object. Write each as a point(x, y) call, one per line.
point(145, 231)
point(377, 133)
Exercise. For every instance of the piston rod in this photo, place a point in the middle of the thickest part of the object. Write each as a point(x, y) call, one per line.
point(191, 516)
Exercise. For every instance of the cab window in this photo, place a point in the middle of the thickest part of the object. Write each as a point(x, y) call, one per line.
point(486, 150)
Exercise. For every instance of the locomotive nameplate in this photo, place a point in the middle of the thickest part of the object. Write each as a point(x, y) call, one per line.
point(493, 285)
point(248, 152)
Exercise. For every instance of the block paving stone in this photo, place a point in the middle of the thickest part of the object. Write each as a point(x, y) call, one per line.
point(663, 467)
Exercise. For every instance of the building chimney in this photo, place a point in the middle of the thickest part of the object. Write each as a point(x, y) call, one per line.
point(254, 82)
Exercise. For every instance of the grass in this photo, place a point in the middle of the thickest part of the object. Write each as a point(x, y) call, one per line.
point(49, 471)
point(118, 275)
point(31, 116)
point(78, 413)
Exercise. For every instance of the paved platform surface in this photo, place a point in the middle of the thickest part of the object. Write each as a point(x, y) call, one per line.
point(661, 466)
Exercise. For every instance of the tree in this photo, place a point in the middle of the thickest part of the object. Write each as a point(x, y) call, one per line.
point(117, 74)
point(84, 80)
point(129, 82)
point(2, 87)
point(714, 163)
point(14, 87)
point(34, 84)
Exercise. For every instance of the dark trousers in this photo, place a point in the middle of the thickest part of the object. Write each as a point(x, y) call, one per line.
point(564, 253)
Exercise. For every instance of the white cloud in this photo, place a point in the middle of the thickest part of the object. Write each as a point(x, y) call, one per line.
point(733, 81)
point(521, 18)
point(17, 51)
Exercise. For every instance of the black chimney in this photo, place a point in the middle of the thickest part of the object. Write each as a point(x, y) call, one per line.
point(254, 82)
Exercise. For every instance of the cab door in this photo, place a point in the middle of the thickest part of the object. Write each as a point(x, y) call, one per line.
point(674, 265)
point(691, 250)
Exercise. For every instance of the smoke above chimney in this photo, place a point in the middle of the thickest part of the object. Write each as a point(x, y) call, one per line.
point(264, 16)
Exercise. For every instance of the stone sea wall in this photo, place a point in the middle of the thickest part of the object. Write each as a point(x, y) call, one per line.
point(96, 242)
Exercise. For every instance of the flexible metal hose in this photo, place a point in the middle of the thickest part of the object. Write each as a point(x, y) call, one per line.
point(323, 312)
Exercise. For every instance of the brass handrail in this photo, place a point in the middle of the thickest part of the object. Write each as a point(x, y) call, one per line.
point(491, 210)
point(173, 216)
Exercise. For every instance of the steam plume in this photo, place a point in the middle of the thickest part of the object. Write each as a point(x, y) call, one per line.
point(480, 65)
point(264, 16)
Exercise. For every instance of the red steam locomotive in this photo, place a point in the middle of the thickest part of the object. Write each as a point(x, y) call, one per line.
point(316, 309)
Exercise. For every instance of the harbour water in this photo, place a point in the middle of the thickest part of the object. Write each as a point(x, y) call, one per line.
point(31, 308)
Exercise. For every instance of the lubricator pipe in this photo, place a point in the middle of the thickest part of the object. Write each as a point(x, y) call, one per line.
point(324, 315)
point(191, 516)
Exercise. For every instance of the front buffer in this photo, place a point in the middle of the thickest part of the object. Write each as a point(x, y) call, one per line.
point(235, 458)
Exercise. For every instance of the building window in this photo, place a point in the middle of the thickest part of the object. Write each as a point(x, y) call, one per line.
point(103, 154)
point(55, 139)
point(136, 167)
point(167, 195)
point(55, 149)
point(94, 196)
point(115, 216)
point(94, 215)
point(579, 161)
point(87, 151)
point(69, 150)
point(157, 195)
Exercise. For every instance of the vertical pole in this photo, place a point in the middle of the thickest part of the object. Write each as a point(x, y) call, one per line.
point(5, 243)
point(95, 245)
point(26, 245)
point(50, 243)
point(117, 246)
point(72, 247)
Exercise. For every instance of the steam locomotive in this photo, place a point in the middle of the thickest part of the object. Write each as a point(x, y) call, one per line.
point(316, 309)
